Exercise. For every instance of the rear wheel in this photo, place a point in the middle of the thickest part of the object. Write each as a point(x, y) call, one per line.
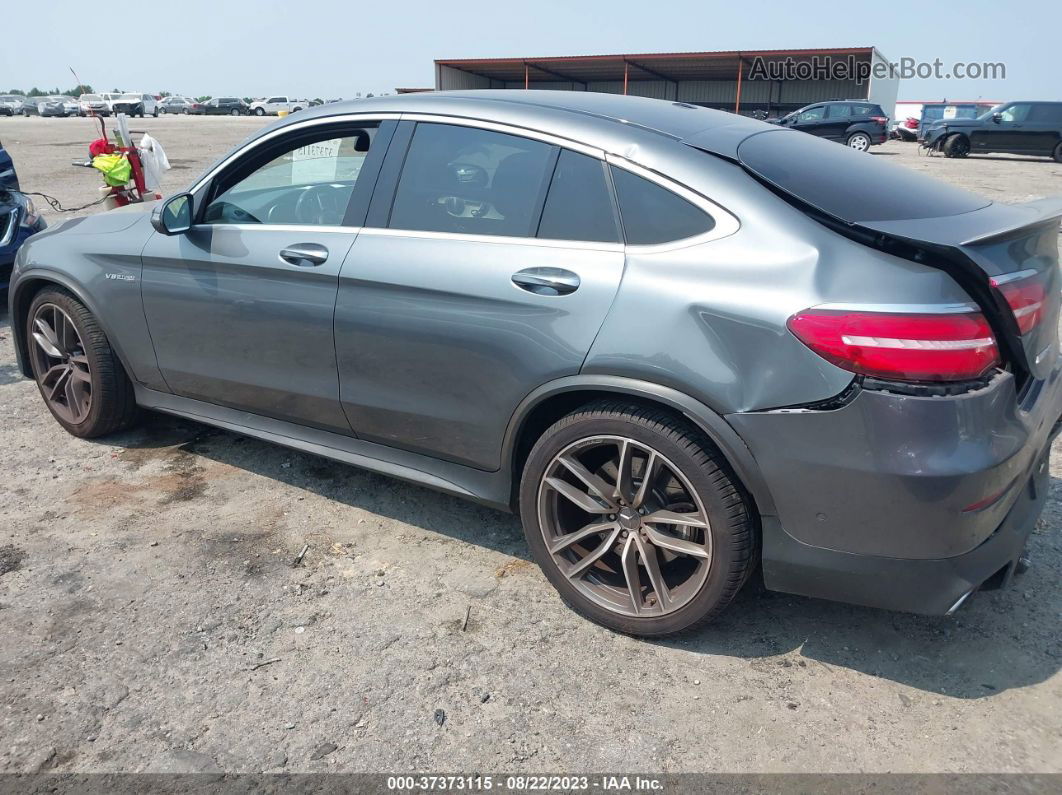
point(79, 376)
point(1057, 155)
point(155, 112)
point(956, 146)
point(859, 141)
point(235, 112)
point(635, 519)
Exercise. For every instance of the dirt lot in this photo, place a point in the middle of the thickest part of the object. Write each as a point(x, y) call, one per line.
point(144, 577)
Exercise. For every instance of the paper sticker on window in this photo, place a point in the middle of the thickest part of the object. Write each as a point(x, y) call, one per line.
point(315, 163)
point(950, 112)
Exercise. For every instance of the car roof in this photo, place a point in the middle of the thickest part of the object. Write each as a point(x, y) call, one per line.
point(552, 110)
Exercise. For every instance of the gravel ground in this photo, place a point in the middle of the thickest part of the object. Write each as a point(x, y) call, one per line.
point(151, 618)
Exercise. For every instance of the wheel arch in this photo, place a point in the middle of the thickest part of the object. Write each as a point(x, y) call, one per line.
point(550, 402)
point(23, 291)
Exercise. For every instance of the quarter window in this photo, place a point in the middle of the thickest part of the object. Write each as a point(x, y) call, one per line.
point(652, 214)
point(471, 181)
point(1050, 113)
point(579, 205)
point(310, 183)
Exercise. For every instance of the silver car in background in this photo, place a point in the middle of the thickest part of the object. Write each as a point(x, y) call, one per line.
point(680, 343)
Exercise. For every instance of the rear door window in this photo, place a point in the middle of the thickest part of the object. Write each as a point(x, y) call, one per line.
point(471, 181)
point(579, 203)
point(652, 214)
point(1047, 112)
point(838, 111)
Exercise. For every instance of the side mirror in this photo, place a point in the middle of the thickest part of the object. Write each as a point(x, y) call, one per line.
point(997, 117)
point(173, 216)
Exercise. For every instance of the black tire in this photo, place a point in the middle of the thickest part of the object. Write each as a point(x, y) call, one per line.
point(235, 112)
point(185, 111)
point(1057, 154)
point(259, 111)
point(113, 407)
point(956, 145)
point(734, 532)
point(155, 112)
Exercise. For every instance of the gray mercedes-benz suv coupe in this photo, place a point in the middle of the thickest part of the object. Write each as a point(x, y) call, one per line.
point(679, 342)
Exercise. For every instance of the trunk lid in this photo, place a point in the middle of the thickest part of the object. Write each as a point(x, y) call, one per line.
point(1004, 256)
point(1015, 247)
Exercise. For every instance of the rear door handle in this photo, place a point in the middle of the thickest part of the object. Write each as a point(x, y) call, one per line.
point(547, 281)
point(304, 255)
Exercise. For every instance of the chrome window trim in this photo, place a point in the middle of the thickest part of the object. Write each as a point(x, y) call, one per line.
point(1013, 277)
point(507, 129)
point(294, 228)
point(381, 232)
point(542, 242)
point(726, 223)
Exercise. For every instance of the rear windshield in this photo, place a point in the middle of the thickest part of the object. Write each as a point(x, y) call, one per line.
point(850, 185)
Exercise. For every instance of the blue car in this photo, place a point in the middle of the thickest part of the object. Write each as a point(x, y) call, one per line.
point(18, 217)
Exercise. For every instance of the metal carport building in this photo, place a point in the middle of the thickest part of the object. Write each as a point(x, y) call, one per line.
point(740, 81)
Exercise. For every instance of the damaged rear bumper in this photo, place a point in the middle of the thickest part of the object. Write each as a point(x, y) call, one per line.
point(903, 502)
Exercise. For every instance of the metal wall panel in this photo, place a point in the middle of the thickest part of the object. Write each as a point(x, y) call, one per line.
point(450, 79)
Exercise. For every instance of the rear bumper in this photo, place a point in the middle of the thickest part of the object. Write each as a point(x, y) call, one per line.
point(903, 502)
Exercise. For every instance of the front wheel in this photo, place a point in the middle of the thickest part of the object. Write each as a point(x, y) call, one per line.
point(77, 372)
point(859, 141)
point(155, 113)
point(259, 112)
point(956, 146)
point(1057, 154)
point(636, 519)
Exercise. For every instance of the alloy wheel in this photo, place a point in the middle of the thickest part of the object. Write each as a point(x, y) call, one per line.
point(61, 364)
point(859, 142)
point(625, 526)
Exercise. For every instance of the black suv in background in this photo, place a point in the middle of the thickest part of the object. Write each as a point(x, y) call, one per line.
point(1016, 128)
point(227, 106)
point(855, 123)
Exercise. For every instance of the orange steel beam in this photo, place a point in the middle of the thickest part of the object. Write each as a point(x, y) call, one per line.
point(737, 102)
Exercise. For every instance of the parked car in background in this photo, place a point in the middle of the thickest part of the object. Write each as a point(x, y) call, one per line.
point(94, 105)
point(18, 217)
point(906, 130)
point(226, 106)
point(11, 105)
point(135, 104)
point(57, 105)
point(933, 112)
point(555, 303)
point(183, 105)
point(1017, 128)
point(31, 106)
point(856, 123)
point(273, 105)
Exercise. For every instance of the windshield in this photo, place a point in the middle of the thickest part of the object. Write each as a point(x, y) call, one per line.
point(847, 184)
point(130, 96)
point(10, 99)
point(90, 97)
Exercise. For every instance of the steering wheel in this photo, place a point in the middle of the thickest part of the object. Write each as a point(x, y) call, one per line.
point(319, 205)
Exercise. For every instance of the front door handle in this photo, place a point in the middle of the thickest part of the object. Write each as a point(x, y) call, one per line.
point(304, 255)
point(547, 281)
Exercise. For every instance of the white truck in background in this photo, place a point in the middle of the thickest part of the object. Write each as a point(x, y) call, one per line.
point(273, 105)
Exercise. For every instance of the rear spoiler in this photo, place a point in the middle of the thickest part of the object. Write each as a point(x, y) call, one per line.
point(985, 225)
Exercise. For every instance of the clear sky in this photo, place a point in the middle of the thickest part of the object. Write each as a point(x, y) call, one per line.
point(336, 48)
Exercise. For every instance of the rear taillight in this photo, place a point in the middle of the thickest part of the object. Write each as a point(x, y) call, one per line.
point(880, 119)
point(1026, 292)
point(900, 347)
